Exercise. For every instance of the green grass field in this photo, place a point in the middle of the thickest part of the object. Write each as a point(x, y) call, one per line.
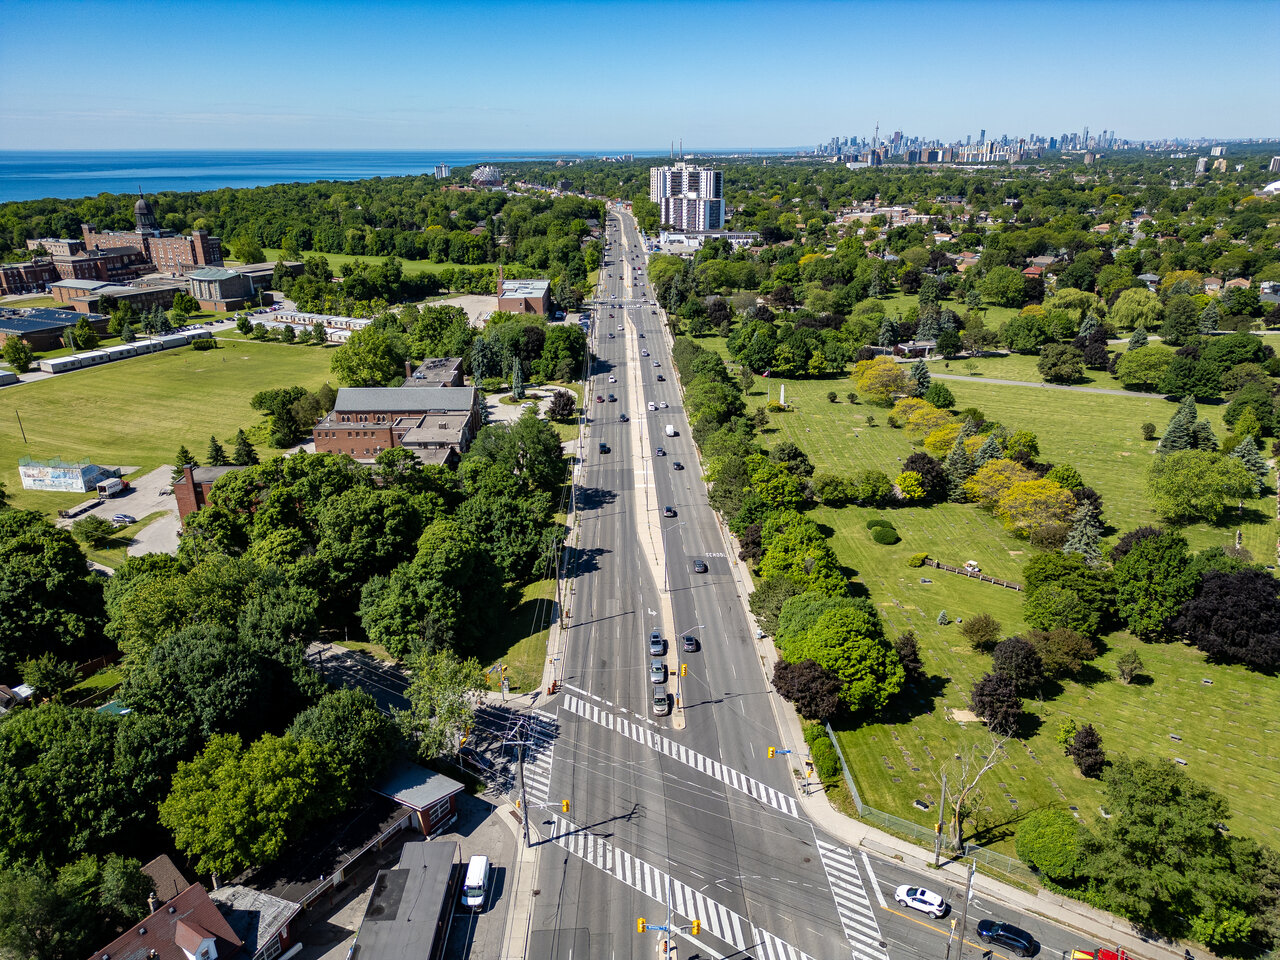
point(896, 761)
point(410, 267)
point(137, 412)
point(27, 302)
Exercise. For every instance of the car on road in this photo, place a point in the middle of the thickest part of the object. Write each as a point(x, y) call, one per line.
point(662, 404)
point(1007, 935)
point(641, 333)
point(604, 447)
point(623, 418)
point(661, 378)
point(690, 643)
point(699, 566)
point(668, 511)
point(122, 520)
point(619, 325)
point(659, 452)
point(918, 898)
point(652, 405)
point(677, 465)
point(612, 378)
point(610, 336)
point(654, 312)
point(657, 646)
point(661, 700)
point(644, 353)
point(599, 398)
point(657, 671)
point(612, 398)
point(657, 363)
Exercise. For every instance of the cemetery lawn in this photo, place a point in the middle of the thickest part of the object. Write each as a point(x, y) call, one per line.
point(1101, 436)
point(137, 412)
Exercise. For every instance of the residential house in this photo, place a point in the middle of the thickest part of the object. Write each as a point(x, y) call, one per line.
point(187, 927)
point(1212, 286)
point(263, 922)
point(1151, 280)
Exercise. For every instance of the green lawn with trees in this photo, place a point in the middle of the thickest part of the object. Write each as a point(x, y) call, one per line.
point(136, 412)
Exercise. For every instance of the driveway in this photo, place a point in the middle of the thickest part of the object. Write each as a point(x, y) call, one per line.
point(147, 494)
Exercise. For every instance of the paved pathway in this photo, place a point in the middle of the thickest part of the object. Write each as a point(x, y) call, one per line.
point(1050, 386)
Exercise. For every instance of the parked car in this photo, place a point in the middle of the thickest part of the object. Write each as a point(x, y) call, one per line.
point(1007, 935)
point(122, 520)
point(657, 671)
point(918, 898)
point(657, 646)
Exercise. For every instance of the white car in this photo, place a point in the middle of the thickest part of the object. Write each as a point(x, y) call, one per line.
point(662, 404)
point(612, 378)
point(619, 326)
point(652, 405)
point(918, 898)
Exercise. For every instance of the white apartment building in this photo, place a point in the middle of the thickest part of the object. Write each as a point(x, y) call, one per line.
point(691, 197)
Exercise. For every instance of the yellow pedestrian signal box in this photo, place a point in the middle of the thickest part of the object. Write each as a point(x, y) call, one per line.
point(772, 751)
point(695, 928)
point(639, 924)
point(684, 669)
point(564, 806)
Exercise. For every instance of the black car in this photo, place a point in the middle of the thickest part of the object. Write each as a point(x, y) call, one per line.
point(1007, 935)
point(604, 447)
point(623, 418)
point(661, 378)
point(677, 465)
point(612, 398)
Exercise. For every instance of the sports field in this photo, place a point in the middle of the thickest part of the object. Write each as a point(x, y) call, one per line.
point(896, 761)
point(410, 267)
point(137, 412)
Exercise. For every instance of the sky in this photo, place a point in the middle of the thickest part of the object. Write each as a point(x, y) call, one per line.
point(618, 76)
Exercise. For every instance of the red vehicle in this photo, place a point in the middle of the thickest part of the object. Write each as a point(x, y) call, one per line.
point(1099, 953)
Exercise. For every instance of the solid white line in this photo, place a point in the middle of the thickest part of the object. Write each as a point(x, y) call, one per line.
point(875, 884)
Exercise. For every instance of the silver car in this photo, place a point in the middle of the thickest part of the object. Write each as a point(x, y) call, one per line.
point(657, 646)
point(657, 671)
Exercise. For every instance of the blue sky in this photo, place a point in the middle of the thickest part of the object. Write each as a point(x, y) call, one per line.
point(616, 75)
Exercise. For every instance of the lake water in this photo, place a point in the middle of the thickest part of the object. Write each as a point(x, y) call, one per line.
point(30, 175)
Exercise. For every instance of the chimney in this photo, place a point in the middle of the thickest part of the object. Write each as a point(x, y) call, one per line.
point(152, 902)
point(408, 369)
point(188, 474)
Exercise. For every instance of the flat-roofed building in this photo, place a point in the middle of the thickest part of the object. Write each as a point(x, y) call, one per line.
point(525, 296)
point(408, 915)
point(83, 295)
point(218, 288)
point(43, 327)
point(438, 422)
point(436, 372)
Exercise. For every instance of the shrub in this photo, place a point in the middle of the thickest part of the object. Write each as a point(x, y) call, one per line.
point(492, 384)
point(1129, 666)
point(871, 419)
point(813, 731)
point(204, 345)
point(1148, 431)
point(831, 396)
point(776, 407)
point(1066, 733)
point(851, 397)
point(893, 422)
point(1086, 750)
point(917, 559)
point(825, 761)
point(813, 689)
point(887, 536)
point(1049, 841)
point(943, 619)
point(879, 521)
point(982, 632)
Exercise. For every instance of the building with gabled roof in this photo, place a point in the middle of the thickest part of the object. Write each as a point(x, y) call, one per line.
point(188, 927)
point(438, 423)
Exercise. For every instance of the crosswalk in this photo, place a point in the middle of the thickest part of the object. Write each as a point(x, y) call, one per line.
point(538, 755)
point(639, 731)
point(852, 905)
point(686, 903)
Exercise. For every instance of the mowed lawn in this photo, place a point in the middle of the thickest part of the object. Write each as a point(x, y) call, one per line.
point(897, 761)
point(137, 412)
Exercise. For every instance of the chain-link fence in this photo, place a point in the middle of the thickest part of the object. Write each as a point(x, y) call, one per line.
point(996, 863)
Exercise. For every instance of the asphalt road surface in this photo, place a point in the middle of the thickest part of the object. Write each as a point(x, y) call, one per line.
point(685, 808)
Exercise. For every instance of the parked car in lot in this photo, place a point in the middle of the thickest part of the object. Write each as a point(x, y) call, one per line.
point(122, 520)
point(918, 898)
point(1007, 935)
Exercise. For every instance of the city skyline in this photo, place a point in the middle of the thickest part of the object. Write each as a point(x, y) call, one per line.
point(423, 75)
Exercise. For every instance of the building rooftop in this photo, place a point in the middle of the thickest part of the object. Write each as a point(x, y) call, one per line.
point(83, 284)
point(175, 931)
point(212, 273)
point(39, 319)
point(436, 428)
point(404, 399)
point(400, 921)
point(416, 787)
point(166, 879)
point(525, 288)
point(255, 916)
point(207, 474)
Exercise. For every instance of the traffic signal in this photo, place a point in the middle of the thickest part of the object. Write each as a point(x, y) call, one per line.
point(772, 751)
point(639, 924)
point(564, 806)
point(684, 669)
point(695, 928)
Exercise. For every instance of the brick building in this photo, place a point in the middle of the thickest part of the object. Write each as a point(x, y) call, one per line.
point(191, 490)
point(217, 288)
point(165, 250)
point(42, 327)
point(525, 296)
point(82, 295)
point(437, 423)
point(33, 276)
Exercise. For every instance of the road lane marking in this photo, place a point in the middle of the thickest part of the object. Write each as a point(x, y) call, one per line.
point(686, 902)
point(875, 884)
point(758, 791)
point(852, 904)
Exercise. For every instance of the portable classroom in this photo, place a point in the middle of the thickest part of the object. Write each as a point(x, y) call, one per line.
point(7, 377)
point(168, 341)
point(119, 351)
point(146, 346)
point(60, 364)
point(91, 358)
point(193, 335)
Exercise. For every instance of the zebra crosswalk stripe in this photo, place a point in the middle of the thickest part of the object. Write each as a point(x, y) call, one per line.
point(852, 904)
point(761, 792)
point(686, 902)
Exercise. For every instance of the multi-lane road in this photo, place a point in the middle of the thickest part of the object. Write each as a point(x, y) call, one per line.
point(685, 808)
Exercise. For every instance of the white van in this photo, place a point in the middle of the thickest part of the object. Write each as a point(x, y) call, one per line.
point(475, 887)
point(671, 431)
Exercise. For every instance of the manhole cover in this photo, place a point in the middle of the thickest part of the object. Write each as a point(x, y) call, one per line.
point(808, 860)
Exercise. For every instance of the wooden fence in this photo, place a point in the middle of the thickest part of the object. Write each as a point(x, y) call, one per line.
point(972, 575)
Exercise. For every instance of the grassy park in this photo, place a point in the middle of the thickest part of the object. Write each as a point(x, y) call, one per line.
point(410, 267)
point(896, 761)
point(137, 412)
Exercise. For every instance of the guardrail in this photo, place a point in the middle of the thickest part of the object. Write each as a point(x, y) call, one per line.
point(973, 575)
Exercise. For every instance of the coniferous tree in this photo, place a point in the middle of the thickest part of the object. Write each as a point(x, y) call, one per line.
point(217, 455)
point(920, 375)
point(1210, 317)
point(181, 459)
point(1177, 435)
point(517, 380)
point(1087, 326)
point(127, 334)
point(888, 332)
point(1139, 338)
point(1086, 534)
point(1246, 451)
point(990, 450)
point(1202, 437)
point(243, 455)
point(959, 468)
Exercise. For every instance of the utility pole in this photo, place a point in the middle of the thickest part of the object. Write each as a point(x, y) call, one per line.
point(942, 812)
point(520, 745)
point(964, 910)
